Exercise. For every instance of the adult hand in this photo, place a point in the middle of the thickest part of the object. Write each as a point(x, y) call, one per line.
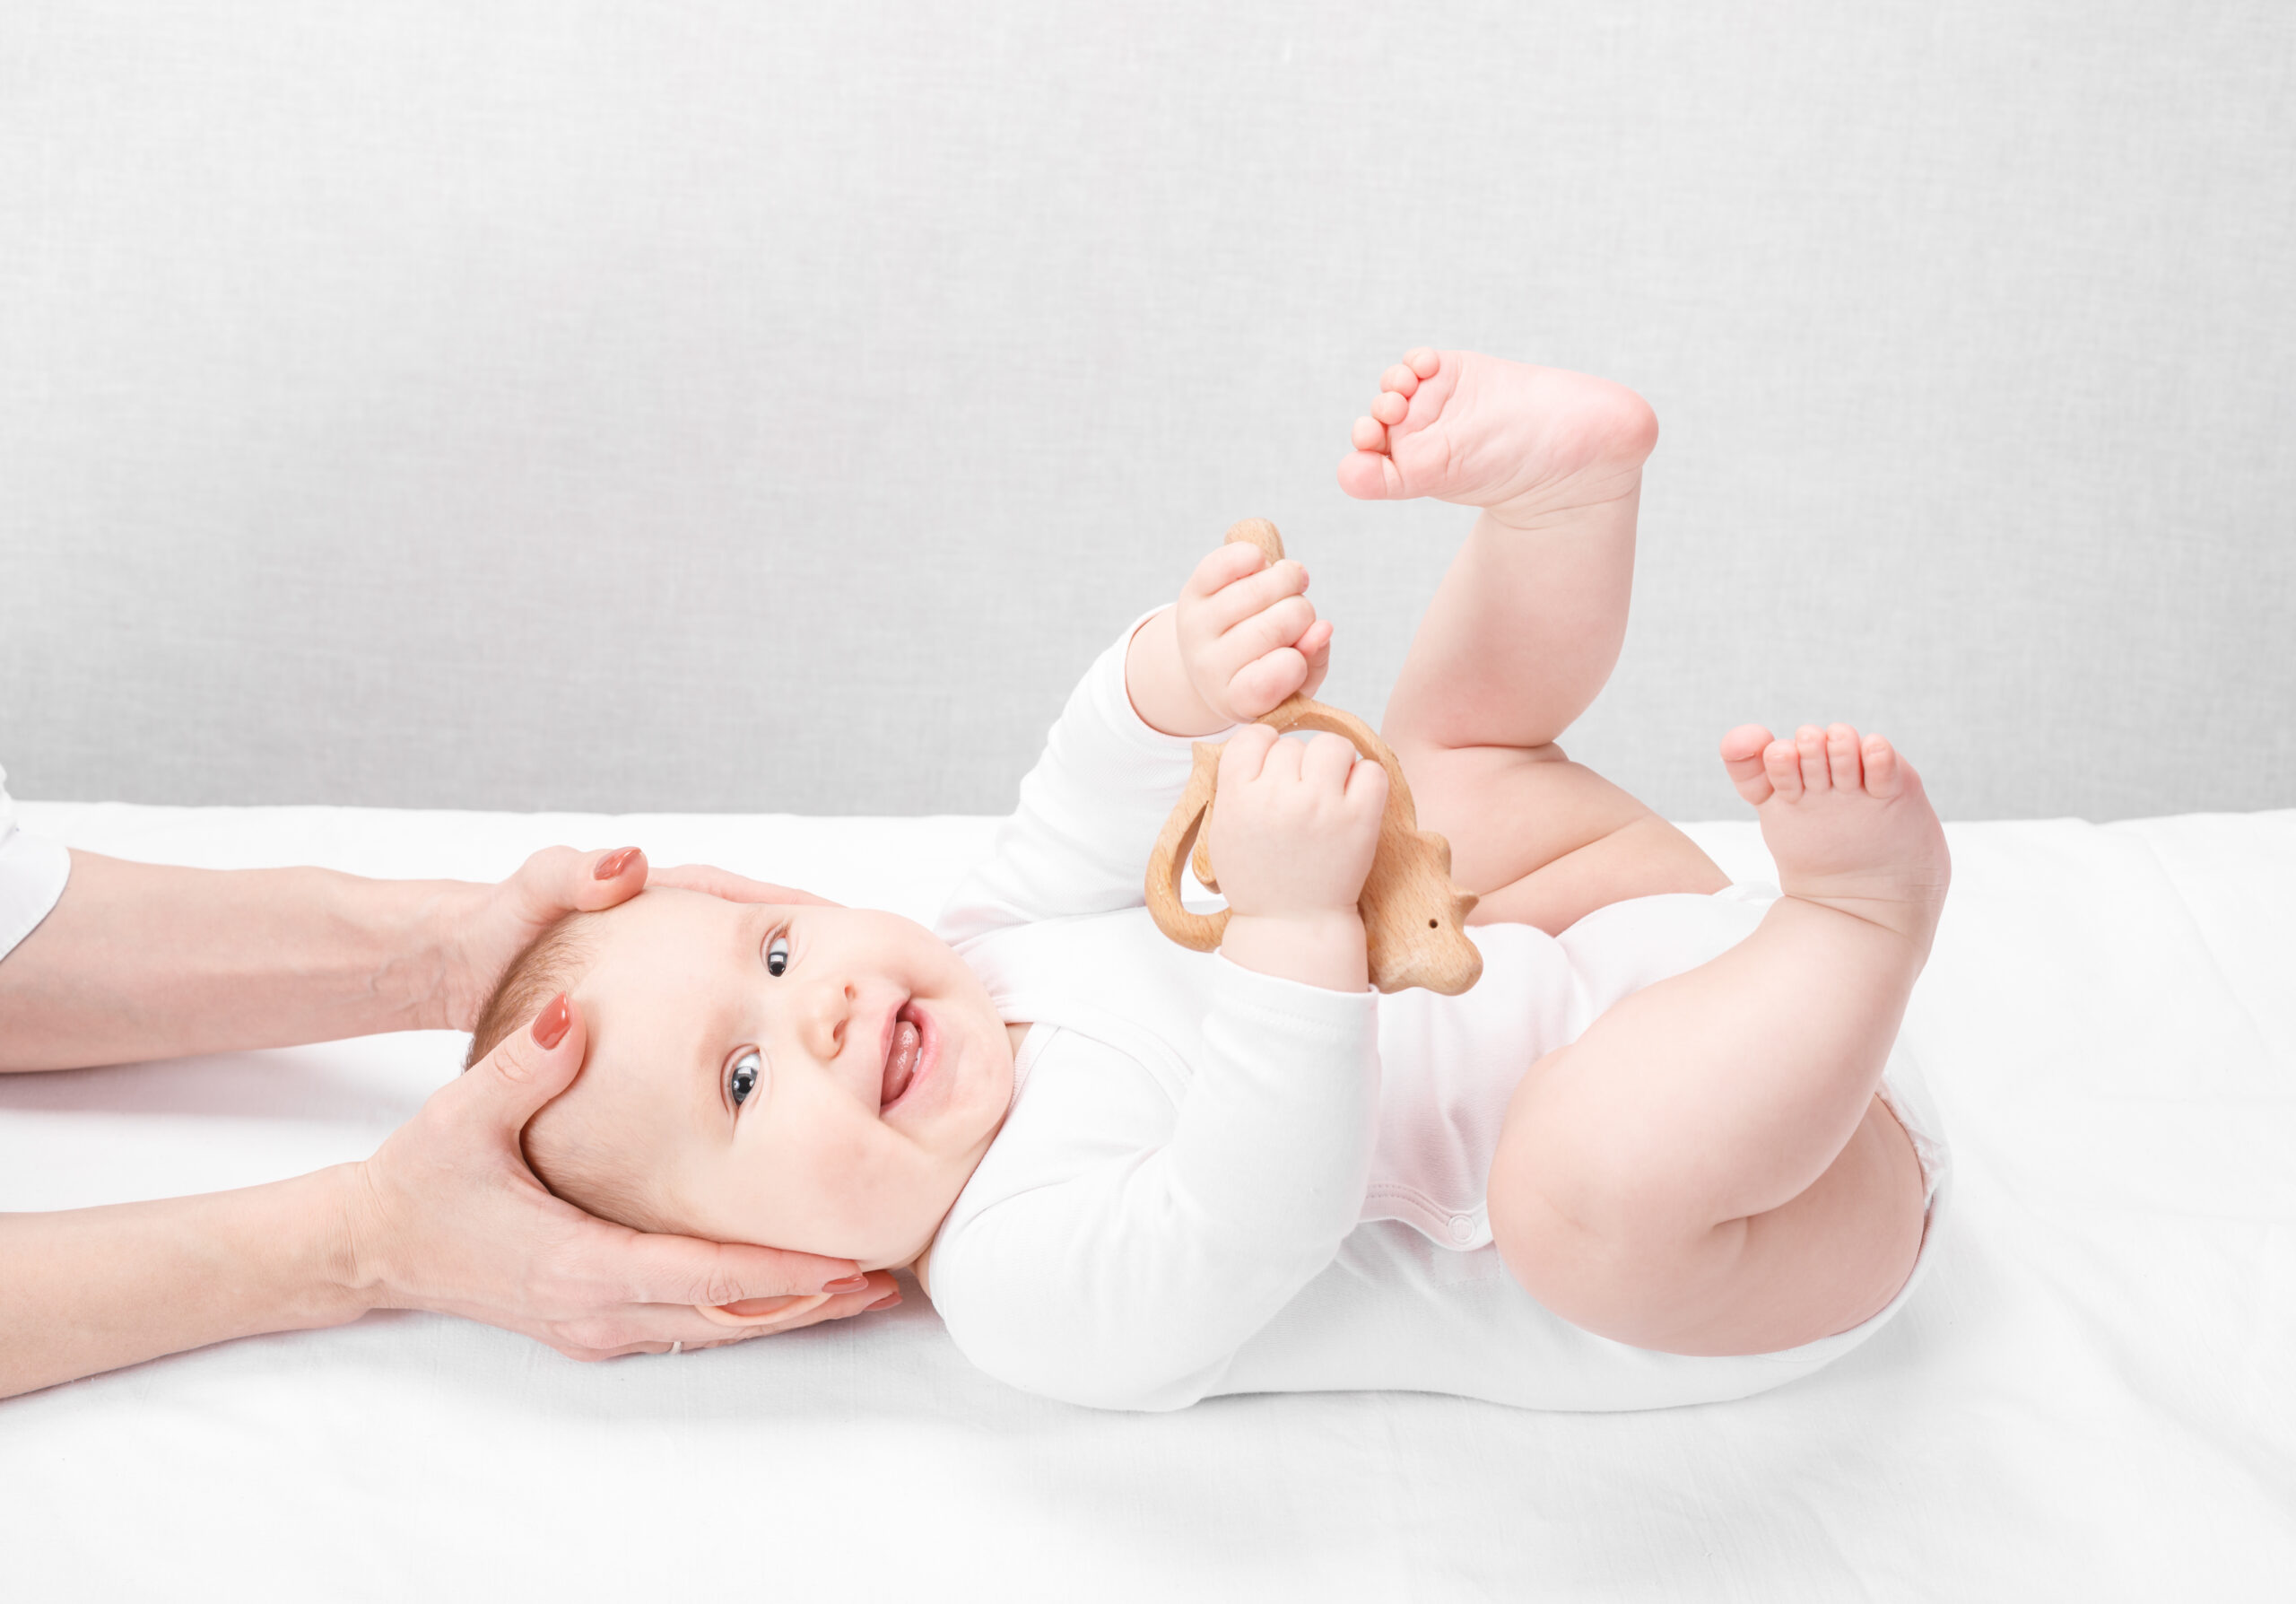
point(447, 1216)
point(493, 924)
point(733, 887)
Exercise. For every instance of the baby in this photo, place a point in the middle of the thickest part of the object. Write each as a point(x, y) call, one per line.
point(1661, 1153)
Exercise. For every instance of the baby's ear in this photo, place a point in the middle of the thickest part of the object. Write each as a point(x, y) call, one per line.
point(750, 1311)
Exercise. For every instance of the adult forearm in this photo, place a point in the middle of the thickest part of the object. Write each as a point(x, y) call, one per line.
point(91, 1289)
point(142, 961)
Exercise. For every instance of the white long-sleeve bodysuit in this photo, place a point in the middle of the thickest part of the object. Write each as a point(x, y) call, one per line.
point(1216, 1181)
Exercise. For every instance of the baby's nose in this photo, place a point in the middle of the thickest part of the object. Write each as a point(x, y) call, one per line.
point(829, 1013)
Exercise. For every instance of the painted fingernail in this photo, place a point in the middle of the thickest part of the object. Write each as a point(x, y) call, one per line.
point(613, 863)
point(886, 1302)
point(846, 1283)
point(550, 1025)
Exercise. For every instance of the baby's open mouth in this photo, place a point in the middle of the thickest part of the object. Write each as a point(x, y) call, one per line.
point(901, 1055)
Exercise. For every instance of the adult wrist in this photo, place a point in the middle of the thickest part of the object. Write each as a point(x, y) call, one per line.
point(458, 991)
point(356, 1261)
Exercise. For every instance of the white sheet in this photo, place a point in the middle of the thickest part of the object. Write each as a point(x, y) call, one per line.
point(2094, 1396)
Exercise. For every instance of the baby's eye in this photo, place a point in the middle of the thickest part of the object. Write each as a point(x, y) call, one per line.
point(777, 954)
point(749, 1068)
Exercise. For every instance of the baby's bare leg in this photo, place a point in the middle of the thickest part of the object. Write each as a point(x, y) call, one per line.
point(1707, 1169)
point(1523, 631)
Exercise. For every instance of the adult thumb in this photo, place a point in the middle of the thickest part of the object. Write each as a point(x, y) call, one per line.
point(528, 1067)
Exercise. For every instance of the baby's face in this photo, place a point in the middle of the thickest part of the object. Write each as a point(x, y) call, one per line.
point(816, 1078)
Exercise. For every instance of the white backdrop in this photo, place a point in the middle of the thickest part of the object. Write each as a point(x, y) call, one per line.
point(717, 407)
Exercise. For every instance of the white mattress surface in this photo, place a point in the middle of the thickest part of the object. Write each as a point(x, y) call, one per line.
point(2094, 1396)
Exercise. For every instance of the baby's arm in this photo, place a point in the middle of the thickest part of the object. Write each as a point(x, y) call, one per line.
point(1118, 757)
point(1242, 637)
point(1134, 1248)
point(1129, 1245)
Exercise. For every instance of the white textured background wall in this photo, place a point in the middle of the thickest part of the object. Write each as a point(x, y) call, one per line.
point(679, 406)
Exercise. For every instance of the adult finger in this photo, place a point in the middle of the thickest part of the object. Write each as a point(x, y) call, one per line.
point(559, 880)
point(633, 1326)
point(654, 1268)
point(528, 1067)
point(713, 881)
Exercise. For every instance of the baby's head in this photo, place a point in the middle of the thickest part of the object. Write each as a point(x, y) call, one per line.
point(808, 1077)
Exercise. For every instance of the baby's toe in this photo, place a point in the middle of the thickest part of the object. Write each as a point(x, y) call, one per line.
point(1424, 360)
point(1400, 379)
point(1810, 744)
point(1741, 751)
point(1781, 764)
point(1884, 774)
point(1370, 475)
point(1841, 758)
point(1390, 408)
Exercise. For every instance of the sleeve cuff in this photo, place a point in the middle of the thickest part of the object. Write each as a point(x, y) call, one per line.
point(1114, 701)
point(1292, 1005)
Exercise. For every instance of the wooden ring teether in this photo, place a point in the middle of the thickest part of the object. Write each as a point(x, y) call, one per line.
point(1415, 918)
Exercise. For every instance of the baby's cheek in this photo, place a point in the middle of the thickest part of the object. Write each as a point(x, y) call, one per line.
point(883, 1187)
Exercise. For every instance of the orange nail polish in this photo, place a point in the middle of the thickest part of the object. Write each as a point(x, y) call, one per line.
point(550, 1025)
point(613, 863)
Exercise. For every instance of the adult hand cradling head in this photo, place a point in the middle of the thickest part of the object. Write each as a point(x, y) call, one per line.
point(447, 1216)
point(133, 962)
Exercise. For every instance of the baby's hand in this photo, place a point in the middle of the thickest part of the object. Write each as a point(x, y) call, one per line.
point(1293, 830)
point(1248, 637)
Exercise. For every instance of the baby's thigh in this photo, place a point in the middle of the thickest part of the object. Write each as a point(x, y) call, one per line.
point(1543, 841)
point(1822, 1263)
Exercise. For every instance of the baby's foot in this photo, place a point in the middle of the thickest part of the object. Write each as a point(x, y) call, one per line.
point(1522, 441)
point(1848, 821)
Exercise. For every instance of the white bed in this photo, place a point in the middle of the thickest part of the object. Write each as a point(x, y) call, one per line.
point(2094, 1395)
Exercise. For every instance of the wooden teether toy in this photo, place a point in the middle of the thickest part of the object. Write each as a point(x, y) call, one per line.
point(1414, 917)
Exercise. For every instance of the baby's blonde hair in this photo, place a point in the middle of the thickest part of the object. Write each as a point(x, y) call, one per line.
point(572, 1148)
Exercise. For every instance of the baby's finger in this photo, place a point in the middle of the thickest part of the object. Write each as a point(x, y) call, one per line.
point(1245, 755)
point(1326, 763)
point(1366, 789)
point(1314, 647)
point(1255, 593)
point(1266, 681)
point(1223, 566)
point(1282, 624)
point(1282, 765)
